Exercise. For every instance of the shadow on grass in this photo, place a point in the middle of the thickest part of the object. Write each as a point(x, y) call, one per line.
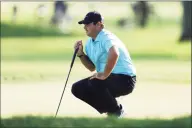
point(12, 30)
point(48, 122)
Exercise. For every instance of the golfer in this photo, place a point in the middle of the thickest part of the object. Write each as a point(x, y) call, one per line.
point(115, 73)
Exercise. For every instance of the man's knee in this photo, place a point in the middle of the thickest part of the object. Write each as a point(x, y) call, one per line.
point(79, 88)
point(75, 89)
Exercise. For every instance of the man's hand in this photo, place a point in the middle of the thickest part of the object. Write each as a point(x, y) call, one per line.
point(99, 75)
point(79, 45)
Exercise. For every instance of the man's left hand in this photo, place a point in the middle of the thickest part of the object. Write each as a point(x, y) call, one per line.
point(99, 75)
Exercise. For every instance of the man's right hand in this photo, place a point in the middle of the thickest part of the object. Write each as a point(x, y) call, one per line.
point(79, 45)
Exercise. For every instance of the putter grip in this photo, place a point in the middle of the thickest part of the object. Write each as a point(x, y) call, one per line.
point(74, 55)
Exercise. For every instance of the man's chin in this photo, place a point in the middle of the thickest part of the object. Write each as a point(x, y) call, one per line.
point(87, 34)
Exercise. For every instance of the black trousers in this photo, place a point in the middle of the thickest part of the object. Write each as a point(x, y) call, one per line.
point(101, 94)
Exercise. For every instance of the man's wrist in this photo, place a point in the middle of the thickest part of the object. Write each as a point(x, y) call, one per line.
point(80, 55)
point(106, 74)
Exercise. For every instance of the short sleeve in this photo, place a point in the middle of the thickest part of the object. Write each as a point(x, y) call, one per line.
point(108, 44)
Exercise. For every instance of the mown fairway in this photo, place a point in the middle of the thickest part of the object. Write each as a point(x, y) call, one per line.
point(35, 61)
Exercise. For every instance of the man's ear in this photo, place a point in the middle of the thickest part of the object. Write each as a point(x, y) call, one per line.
point(98, 23)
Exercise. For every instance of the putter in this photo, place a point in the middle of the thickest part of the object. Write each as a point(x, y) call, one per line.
point(73, 59)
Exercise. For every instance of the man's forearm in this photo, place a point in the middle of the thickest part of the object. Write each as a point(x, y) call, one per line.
point(87, 62)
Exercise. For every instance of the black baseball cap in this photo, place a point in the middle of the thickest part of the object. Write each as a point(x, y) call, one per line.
point(91, 17)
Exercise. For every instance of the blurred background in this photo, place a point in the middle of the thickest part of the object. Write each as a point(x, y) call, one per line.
point(37, 41)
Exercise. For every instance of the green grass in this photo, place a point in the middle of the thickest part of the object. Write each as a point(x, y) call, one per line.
point(48, 122)
point(30, 52)
point(166, 71)
point(12, 30)
point(142, 44)
point(158, 41)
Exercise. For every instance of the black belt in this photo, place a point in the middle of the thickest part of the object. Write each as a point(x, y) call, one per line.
point(123, 75)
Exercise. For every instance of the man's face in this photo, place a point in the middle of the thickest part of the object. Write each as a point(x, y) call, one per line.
point(90, 29)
